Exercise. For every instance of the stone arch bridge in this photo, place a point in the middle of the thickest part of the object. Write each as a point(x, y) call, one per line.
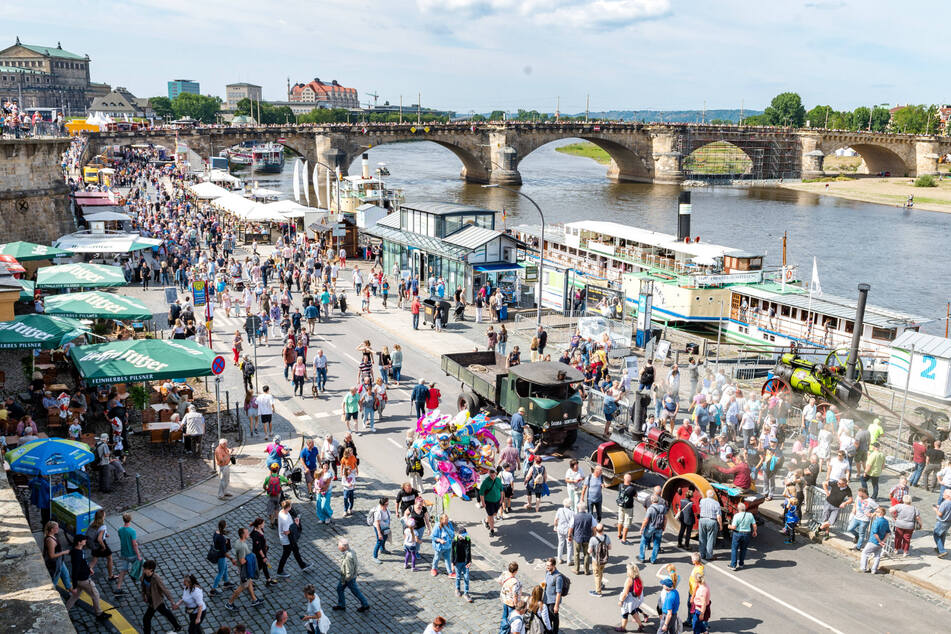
point(491, 152)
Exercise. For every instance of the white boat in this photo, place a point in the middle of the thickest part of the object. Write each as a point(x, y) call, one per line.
point(359, 190)
point(267, 157)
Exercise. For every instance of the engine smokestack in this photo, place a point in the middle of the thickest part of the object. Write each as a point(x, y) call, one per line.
point(366, 165)
point(683, 216)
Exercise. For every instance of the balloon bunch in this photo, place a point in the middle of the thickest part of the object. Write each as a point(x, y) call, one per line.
point(457, 449)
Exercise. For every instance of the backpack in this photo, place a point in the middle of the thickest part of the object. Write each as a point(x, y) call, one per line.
point(534, 624)
point(274, 486)
point(565, 584)
point(601, 552)
point(371, 517)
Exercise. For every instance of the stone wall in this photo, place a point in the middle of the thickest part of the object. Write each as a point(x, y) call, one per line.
point(28, 600)
point(34, 199)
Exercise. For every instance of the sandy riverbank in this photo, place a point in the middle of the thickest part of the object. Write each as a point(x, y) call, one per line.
point(892, 192)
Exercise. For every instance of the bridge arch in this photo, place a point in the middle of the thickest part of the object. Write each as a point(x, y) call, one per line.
point(720, 159)
point(877, 159)
point(629, 161)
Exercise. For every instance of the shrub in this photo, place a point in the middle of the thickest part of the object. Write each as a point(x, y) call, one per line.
point(926, 181)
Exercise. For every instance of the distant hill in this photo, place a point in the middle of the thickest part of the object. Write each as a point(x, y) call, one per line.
point(672, 116)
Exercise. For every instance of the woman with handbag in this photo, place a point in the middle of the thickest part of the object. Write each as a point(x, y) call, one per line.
point(315, 619)
point(98, 534)
point(701, 605)
point(218, 554)
point(323, 486)
point(194, 600)
point(535, 483)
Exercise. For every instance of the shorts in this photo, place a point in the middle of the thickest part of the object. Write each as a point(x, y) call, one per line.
point(101, 552)
point(125, 563)
point(491, 508)
point(507, 491)
point(308, 476)
point(830, 513)
point(351, 415)
point(860, 456)
point(273, 504)
point(625, 516)
point(266, 418)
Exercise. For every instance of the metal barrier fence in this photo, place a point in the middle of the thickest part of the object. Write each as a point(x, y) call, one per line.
point(594, 403)
point(812, 510)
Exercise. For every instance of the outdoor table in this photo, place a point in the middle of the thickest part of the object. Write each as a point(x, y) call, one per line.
point(14, 441)
point(58, 387)
point(74, 512)
point(159, 426)
point(45, 366)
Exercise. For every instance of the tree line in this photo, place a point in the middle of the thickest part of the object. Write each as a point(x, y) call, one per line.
point(786, 109)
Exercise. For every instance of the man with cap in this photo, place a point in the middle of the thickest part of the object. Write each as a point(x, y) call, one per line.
point(518, 429)
point(194, 425)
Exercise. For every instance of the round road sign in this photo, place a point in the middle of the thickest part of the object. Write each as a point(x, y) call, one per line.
point(218, 365)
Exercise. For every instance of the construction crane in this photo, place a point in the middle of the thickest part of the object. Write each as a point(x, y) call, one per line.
point(375, 97)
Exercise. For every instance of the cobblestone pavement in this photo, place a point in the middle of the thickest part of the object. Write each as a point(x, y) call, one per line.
point(400, 600)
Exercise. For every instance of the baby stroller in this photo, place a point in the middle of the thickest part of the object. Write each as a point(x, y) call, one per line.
point(459, 311)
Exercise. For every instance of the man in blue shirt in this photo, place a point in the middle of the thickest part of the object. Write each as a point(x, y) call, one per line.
point(554, 585)
point(943, 513)
point(309, 456)
point(518, 429)
point(652, 529)
point(418, 397)
point(668, 616)
point(312, 315)
point(877, 534)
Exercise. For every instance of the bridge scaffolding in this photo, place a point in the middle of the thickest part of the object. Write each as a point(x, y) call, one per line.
point(766, 158)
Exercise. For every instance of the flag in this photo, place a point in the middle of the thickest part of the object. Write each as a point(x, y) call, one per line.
point(815, 288)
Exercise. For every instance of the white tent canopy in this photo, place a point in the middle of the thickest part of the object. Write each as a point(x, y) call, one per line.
point(221, 176)
point(105, 242)
point(288, 208)
point(261, 213)
point(264, 192)
point(207, 191)
point(107, 216)
point(235, 205)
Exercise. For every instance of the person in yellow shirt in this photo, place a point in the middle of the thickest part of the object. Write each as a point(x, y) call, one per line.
point(692, 583)
point(875, 430)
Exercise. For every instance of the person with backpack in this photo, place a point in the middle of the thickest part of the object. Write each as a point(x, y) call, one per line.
point(517, 620)
point(536, 483)
point(557, 587)
point(461, 557)
point(274, 491)
point(652, 529)
point(632, 595)
point(247, 372)
point(218, 555)
point(600, 548)
point(537, 619)
point(414, 468)
point(441, 536)
point(509, 595)
point(626, 494)
point(247, 569)
point(593, 491)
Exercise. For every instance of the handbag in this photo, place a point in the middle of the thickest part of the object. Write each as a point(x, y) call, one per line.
point(135, 571)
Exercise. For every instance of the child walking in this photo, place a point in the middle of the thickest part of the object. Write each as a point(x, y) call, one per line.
point(410, 544)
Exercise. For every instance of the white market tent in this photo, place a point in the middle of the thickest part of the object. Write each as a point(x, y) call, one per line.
point(235, 205)
point(265, 192)
point(107, 216)
point(261, 213)
point(105, 242)
point(207, 190)
point(221, 176)
point(288, 208)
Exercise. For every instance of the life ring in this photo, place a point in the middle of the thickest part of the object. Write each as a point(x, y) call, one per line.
point(788, 275)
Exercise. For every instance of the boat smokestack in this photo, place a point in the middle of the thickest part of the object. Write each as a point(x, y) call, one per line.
point(857, 331)
point(366, 165)
point(683, 216)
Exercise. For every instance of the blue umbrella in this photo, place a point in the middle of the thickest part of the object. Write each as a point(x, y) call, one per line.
point(49, 456)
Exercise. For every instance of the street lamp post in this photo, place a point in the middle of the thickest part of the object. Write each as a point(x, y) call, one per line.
point(541, 246)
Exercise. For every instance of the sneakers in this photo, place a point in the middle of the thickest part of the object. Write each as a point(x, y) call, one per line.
point(452, 575)
point(256, 602)
point(339, 608)
point(468, 598)
point(363, 608)
point(377, 560)
point(458, 593)
point(120, 592)
point(307, 567)
point(227, 584)
point(103, 616)
point(231, 607)
point(283, 575)
point(270, 582)
point(942, 555)
point(594, 593)
point(433, 572)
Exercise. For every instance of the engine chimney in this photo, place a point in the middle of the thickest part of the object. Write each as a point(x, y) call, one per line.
point(366, 165)
point(683, 216)
point(857, 331)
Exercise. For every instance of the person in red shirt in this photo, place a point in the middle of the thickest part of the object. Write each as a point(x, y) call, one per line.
point(685, 430)
point(432, 402)
point(414, 308)
point(740, 472)
point(918, 449)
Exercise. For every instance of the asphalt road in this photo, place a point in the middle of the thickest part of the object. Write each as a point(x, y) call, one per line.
point(799, 588)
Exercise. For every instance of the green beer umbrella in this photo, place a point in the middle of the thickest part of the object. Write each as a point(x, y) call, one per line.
point(24, 251)
point(26, 295)
point(39, 331)
point(136, 360)
point(96, 305)
point(80, 276)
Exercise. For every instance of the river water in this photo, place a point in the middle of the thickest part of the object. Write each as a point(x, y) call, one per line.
point(906, 257)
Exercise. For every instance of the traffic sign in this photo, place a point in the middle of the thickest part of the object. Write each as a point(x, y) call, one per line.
point(198, 292)
point(218, 365)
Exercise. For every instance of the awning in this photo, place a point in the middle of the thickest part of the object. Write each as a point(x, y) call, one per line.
point(26, 251)
point(39, 331)
point(498, 267)
point(106, 216)
point(96, 305)
point(26, 295)
point(106, 242)
point(207, 191)
point(79, 276)
point(136, 360)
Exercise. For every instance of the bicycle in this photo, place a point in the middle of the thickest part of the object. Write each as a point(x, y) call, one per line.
point(294, 474)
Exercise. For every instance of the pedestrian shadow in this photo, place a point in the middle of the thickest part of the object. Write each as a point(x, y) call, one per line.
point(736, 624)
point(772, 564)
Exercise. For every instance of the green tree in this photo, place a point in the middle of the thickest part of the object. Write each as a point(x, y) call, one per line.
point(720, 122)
point(840, 120)
point(880, 119)
point(478, 117)
point(497, 115)
point(820, 116)
point(200, 107)
point(756, 119)
point(264, 112)
point(786, 109)
point(162, 107)
point(860, 118)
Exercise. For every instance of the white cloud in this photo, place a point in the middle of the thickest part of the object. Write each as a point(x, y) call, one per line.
point(606, 14)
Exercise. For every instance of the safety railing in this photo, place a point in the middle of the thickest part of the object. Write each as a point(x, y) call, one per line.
point(594, 409)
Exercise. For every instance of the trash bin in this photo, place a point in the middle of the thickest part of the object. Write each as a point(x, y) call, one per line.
point(430, 309)
point(503, 312)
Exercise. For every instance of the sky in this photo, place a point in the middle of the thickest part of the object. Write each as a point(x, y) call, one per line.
point(482, 55)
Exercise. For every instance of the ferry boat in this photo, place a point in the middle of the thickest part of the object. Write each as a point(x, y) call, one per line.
point(267, 157)
point(707, 288)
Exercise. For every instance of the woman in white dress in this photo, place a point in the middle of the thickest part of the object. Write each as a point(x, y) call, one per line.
point(632, 595)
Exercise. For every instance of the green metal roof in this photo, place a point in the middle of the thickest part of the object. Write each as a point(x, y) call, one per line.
point(17, 69)
point(53, 51)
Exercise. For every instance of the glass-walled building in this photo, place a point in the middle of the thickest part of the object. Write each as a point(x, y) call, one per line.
point(456, 242)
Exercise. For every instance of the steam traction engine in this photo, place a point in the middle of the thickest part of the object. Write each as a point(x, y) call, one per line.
point(689, 471)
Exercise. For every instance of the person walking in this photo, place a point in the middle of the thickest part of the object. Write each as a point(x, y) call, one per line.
point(381, 528)
point(461, 557)
point(351, 408)
point(194, 601)
point(300, 376)
point(631, 598)
point(652, 528)
point(711, 522)
point(509, 595)
point(266, 409)
point(414, 310)
point(686, 518)
point(564, 519)
point(315, 619)
point(324, 488)
point(743, 526)
point(418, 397)
point(288, 528)
point(490, 496)
point(942, 523)
point(223, 457)
point(536, 479)
point(626, 494)
point(593, 492)
point(862, 508)
point(600, 549)
point(877, 536)
point(154, 593)
point(348, 578)
point(247, 570)
point(907, 519)
point(582, 527)
point(517, 429)
point(259, 547)
point(700, 604)
point(128, 551)
point(82, 578)
point(934, 457)
point(556, 586)
point(874, 464)
point(441, 536)
point(320, 370)
point(55, 556)
point(220, 545)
